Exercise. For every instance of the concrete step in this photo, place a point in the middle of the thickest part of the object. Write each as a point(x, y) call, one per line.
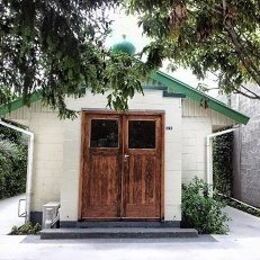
point(85, 233)
point(126, 224)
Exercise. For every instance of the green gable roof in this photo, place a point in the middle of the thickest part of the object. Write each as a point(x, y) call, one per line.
point(173, 85)
point(18, 103)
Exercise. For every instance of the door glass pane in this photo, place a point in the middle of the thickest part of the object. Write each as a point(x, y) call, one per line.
point(104, 133)
point(141, 134)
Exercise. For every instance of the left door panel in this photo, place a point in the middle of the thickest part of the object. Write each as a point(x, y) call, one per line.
point(101, 167)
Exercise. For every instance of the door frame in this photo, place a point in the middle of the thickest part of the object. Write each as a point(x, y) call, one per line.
point(132, 112)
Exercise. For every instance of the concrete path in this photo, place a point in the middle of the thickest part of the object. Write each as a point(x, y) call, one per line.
point(243, 225)
point(9, 215)
point(243, 242)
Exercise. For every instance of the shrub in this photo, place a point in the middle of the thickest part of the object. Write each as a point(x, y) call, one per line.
point(26, 229)
point(13, 162)
point(202, 211)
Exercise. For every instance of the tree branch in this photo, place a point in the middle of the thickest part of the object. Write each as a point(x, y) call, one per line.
point(240, 49)
point(253, 95)
point(237, 91)
point(250, 91)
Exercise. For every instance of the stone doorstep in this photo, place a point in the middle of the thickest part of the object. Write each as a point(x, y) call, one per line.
point(124, 224)
point(85, 233)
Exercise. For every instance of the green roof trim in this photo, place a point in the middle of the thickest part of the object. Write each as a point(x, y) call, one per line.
point(18, 103)
point(165, 91)
point(171, 84)
point(173, 95)
point(155, 87)
point(177, 86)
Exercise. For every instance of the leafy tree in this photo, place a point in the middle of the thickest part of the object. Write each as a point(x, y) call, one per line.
point(222, 37)
point(57, 47)
point(13, 162)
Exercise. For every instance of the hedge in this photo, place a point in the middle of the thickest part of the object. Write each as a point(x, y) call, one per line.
point(13, 162)
point(222, 163)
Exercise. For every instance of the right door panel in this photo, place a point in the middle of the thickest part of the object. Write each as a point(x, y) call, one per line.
point(142, 147)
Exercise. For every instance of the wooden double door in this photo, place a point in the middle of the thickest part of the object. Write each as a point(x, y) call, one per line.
point(121, 173)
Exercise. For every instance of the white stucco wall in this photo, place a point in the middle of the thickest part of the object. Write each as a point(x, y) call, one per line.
point(58, 144)
point(173, 149)
point(48, 158)
point(195, 130)
point(48, 151)
point(197, 123)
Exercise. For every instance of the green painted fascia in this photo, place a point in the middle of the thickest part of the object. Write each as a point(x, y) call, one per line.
point(166, 93)
point(18, 103)
point(196, 95)
point(154, 87)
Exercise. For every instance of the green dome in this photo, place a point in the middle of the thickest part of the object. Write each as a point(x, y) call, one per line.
point(124, 46)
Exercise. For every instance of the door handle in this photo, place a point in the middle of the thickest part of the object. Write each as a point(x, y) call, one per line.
point(126, 156)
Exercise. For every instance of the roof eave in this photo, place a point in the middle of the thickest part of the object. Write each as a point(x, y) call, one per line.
point(171, 83)
point(18, 103)
point(196, 95)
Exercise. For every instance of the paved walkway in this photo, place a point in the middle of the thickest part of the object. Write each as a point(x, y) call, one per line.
point(9, 215)
point(243, 242)
point(243, 226)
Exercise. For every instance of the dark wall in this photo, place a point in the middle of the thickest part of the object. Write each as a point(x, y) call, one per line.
point(246, 161)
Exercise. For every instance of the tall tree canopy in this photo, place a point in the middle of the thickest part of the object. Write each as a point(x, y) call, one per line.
point(57, 47)
point(222, 37)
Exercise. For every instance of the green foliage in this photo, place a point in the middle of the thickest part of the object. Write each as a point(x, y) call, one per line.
point(201, 211)
point(221, 37)
point(57, 47)
point(26, 229)
point(222, 163)
point(13, 163)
